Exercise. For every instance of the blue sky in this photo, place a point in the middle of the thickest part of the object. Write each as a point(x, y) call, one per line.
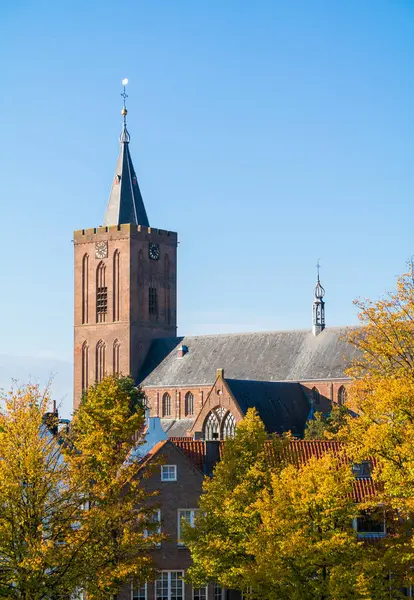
point(268, 134)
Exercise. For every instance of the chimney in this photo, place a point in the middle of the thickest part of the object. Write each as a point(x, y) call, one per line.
point(182, 351)
point(212, 456)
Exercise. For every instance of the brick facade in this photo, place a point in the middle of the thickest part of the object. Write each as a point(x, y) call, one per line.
point(127, 327)
point(172, 496)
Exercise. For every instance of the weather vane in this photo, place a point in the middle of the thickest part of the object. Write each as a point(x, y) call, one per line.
point(124, 95)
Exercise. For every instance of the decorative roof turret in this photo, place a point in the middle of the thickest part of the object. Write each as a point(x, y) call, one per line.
point(318, 308)
point(125, 204)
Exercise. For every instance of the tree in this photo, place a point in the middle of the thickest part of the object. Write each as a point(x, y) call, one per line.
point(327, 426)
point(61, 524)
point(304, 546)
point(382, 393)
point(227, 516)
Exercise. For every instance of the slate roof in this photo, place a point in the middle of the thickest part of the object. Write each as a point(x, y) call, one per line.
point(282, 406)
point(176, 427)
point(125, 204)
point(262, 356)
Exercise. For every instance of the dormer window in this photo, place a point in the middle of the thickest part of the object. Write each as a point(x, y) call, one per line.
point(362, 470)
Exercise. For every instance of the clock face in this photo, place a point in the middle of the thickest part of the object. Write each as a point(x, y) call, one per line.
point(154, 251)
point(101, 249)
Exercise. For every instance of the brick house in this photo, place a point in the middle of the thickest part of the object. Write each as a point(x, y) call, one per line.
point(178, 479)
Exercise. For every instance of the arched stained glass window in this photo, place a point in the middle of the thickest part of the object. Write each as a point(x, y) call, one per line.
point(229, 426)
point(189, 404)
point(342, 394)
point(212, 427)
point(166, 405)
point(316, 397)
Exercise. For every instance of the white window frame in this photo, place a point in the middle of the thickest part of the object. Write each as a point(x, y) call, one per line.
point(370, 534)
point(202, 588)
point(132, 589)
point(222, 592)
point(169, 584)
point(163, 471)
point(193, 512)
point(156, 512)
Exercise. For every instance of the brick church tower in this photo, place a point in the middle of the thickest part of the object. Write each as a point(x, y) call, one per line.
point(125, 283)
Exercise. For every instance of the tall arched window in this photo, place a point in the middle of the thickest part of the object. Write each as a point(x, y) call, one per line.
point(342, 394)
point(116, 348)
point(167, 300)
point(116, 284)
point(211, 427)
point(85, 288)
point(229, 426)
point(189, 404)
point(316, 397)
point(166, 405)
point(101, 294)
point(100, 361)
point(85, 366)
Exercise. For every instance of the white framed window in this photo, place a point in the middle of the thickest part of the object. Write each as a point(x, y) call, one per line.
point(200, 593)
point(155, 518)
point(170, 586)
point(188, 515)
point(138, 590)
point(168, 472)
point(370, 524)
point(219, 592)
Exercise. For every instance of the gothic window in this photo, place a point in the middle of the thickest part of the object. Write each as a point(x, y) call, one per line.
point(85, 288)
point(229, 426)
point(100, 361)
point(189, 404)
point(116, 348)
point(212, 427)
point(85, 365)
point(101, 294)
point(153, 303)
point(166, 405)
point(116, 284)
point(316, 397)
point(140, 281)
point(342, 394)
point(167, 289)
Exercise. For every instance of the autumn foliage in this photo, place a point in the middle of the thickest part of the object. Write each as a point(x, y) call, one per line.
point(74, 513)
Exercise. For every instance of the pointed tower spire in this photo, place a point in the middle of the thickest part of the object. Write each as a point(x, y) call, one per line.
point(318, 310)
point(125, 203)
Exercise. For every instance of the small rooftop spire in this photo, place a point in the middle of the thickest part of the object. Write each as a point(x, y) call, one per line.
point(318, 308)
point(125, 203)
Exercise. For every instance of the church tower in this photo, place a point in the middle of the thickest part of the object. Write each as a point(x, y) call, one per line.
point(125, 282)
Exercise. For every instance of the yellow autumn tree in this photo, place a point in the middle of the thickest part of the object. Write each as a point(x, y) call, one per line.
point(61, 526)
point(228, 515)
point(382, 392)
point(305, 547)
